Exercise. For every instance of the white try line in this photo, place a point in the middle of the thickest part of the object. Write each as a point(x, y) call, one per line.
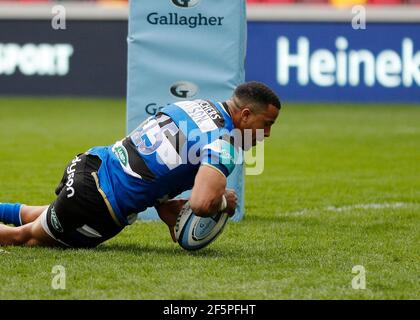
point(360, 206)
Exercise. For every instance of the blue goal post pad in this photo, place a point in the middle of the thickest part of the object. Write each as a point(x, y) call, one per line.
point(185, 50)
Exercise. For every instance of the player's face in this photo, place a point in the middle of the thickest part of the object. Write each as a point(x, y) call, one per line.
point(259, 121)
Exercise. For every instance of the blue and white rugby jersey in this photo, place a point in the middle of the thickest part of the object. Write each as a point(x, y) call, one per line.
point(160, 158)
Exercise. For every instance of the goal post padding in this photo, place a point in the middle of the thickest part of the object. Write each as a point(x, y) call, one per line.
point(183, 50)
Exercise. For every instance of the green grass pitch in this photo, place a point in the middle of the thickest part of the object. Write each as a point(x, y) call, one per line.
point(341, 187)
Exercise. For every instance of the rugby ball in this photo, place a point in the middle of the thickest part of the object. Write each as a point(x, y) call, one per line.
point(193, 232)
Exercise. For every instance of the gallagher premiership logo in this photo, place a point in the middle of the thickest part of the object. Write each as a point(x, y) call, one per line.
point(185, 3)
point(184, 89)
point(179, 19)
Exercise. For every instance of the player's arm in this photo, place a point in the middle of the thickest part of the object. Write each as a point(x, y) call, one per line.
point(208, 192)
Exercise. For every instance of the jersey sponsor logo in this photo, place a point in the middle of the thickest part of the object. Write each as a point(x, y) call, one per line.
point(122, 155)
point(55, 222)
point(185, 3)
point(201, 112)
point(70, 177)
point(184, 89)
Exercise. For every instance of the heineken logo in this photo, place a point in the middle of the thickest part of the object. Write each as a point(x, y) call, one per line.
point(121, 154)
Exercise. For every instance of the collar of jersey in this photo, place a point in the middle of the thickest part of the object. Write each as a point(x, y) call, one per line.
point(223, 109)
point(227, 116)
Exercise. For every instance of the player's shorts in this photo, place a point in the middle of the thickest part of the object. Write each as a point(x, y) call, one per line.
point(80, 217)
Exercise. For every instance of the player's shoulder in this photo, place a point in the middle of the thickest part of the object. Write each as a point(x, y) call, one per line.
point(207, 115)
point(222, 154)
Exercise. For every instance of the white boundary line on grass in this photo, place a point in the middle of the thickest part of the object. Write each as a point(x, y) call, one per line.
point(368, 206)
point(363, 206)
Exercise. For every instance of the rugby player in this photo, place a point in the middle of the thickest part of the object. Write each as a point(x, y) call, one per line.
point(189, 144)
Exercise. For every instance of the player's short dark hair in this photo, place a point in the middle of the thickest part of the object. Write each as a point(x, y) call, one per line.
point(257, 93)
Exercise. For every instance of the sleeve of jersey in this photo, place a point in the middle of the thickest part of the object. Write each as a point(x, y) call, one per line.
point(220, 155)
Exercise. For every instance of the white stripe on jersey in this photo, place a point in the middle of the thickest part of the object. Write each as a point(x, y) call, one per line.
point(168, 154)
